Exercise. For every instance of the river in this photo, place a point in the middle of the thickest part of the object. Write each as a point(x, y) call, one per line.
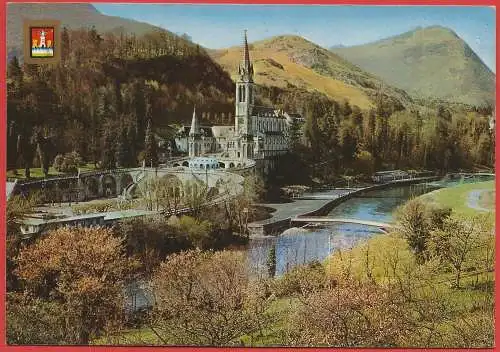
point(300, 245)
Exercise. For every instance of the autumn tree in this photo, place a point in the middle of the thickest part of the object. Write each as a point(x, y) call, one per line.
point(348, 314)
point(206, 298)
point(28, 320)
point(84, 270)
point(18, 208)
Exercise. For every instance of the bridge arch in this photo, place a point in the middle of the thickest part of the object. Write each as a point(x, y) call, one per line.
point(91, 187)
point(185, 163)
point(108, 183)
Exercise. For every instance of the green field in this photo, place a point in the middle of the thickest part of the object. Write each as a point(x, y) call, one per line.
point(458, 197)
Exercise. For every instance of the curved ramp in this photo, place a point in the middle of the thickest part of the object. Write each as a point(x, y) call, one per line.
point(324, 219)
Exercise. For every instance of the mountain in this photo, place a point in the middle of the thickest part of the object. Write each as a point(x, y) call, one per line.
point(73, 16)
point(431, 62)
point(288, 60)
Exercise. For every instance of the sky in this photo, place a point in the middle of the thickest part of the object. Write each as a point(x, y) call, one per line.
point(220, 26)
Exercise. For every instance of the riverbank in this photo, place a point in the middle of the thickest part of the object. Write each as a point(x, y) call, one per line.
point(309, 205)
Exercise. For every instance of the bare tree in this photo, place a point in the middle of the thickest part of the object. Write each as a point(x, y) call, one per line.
point(206, 298)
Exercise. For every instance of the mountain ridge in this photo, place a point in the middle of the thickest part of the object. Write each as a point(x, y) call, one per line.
point(428, 62)
point(291, 60)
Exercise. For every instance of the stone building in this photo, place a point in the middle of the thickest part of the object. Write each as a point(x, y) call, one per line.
point(259, 133)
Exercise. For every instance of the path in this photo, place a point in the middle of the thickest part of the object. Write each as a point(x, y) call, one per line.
point(473, 199)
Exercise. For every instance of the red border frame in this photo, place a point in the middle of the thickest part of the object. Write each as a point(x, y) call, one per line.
point(3, 133)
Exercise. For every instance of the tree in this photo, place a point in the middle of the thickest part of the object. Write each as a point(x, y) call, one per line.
point(349, 314)
point(132, 145)
point(41, 149)
point(82, 269)
point(457, 240)
point(28, 320)
point(65, 44)
point(150, 147)
point(68, 163)
point(416, 221)
point(16, 77)
point(294, 134)
point(205, 298)
point(238, 206)
point(195, 195)
point(18, 208)
point(166, 194)
point(122, 154)
point(349, 142)
point(25, 150)
point(271, 261)
point(108, 160)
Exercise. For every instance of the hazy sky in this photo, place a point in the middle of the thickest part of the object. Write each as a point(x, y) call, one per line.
point(219, 26)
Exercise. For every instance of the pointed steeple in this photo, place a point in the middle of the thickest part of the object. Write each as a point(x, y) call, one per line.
point(246, 67)
point(195, 125)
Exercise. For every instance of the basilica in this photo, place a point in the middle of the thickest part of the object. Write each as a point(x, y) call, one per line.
point(259, 133)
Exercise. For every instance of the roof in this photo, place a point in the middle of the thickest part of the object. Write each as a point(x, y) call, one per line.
point(204, 131)
point(223, 131)
point(195, 125)
point(265, 111)
point(107, 216)
point(42, 221)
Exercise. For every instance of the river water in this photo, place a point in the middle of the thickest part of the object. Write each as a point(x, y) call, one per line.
point(302, 245)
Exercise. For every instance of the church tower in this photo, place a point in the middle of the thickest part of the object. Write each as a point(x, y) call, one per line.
point(244, 92)
point(194, 139)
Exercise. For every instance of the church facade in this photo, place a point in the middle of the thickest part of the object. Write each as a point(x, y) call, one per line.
point(259, 133)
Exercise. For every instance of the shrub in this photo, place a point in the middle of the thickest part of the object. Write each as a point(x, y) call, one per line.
point(68, 163)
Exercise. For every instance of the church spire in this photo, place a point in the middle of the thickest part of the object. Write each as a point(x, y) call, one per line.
point(246, 67)
point(195, 125)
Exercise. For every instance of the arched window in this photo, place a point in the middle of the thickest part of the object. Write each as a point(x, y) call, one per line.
point(242, 94)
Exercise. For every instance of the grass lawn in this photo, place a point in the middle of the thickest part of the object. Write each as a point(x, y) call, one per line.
point(140, 336)
point(36, 172)
point(457, 197)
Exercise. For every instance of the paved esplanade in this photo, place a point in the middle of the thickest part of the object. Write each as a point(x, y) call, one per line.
point(298, 206)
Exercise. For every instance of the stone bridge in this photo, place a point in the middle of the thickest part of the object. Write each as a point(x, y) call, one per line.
point(112, 183)
point(84, 186)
